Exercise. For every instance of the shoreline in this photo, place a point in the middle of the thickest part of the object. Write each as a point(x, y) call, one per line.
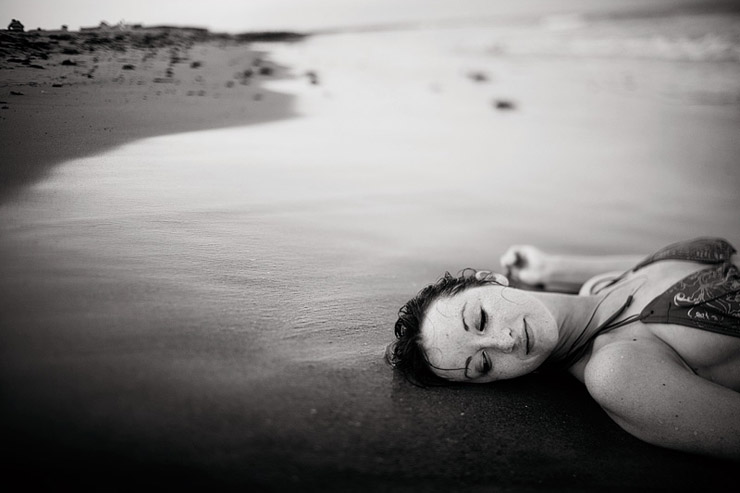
point(213, 308)
point(71, 99)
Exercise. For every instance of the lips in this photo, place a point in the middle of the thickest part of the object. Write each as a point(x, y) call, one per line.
point(528, 340)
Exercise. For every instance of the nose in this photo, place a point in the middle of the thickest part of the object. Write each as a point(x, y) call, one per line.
point(503, 340)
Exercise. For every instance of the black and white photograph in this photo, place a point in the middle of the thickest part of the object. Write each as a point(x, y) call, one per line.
point(370, 245)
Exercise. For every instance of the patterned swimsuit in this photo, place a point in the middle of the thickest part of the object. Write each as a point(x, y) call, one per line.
point(708, 299)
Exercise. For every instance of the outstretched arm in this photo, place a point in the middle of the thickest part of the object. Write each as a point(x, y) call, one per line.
point(531, 265)
point(655, 397)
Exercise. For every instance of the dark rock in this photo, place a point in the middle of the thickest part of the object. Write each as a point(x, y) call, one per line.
point(128, 66)
point(477, 76)
point(68, 62)
point(16, 93)
point(266, 70)
point(504, 105)
point(196, 64)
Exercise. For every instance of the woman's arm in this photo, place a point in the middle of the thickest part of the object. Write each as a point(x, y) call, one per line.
point(533, 266)
point(579, 269)
point(651, 394)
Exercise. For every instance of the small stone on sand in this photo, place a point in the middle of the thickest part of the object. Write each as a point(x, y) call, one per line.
point(504, 105)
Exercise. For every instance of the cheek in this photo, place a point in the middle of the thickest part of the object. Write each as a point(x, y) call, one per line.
point(514, 367)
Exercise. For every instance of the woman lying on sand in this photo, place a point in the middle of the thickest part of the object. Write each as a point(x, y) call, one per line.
point(658, 346)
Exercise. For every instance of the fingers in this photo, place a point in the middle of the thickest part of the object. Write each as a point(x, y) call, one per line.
point(515, 257)
point(524, 263)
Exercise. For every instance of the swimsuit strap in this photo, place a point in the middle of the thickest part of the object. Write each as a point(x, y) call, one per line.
point(608, 325)
point(700, 250)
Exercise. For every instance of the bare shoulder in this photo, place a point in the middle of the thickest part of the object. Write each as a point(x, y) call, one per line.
point(648, 390)
point(621, 368)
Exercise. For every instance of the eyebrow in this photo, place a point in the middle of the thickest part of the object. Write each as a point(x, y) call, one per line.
point(462, 316)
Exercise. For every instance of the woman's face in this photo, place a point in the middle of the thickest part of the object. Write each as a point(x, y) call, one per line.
point(487, 333)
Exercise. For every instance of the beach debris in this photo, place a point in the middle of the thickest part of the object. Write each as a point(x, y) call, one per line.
point(69, 62)
point(478, 76)
point(16, 26)
point(504, 105)
point(128, 66)
point(196, 64)
point(313, 77)
point(244, 77)
point(16, 93)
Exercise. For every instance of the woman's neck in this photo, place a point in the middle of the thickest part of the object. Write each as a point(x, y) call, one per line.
point(578, 318)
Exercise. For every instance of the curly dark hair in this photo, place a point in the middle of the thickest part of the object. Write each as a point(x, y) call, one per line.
point(406, 354)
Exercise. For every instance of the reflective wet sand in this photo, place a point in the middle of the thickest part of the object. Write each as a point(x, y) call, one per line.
point(214, 306)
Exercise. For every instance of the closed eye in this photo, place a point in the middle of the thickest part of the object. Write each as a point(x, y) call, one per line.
point(487, 364)
point(483, 320)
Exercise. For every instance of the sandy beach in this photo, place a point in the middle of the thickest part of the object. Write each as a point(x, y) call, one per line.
point(203, 255)
point(78, 94)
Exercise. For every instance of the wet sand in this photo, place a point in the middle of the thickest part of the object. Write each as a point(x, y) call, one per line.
point(211, 308)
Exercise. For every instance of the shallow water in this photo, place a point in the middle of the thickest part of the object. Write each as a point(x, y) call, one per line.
point(221, 300)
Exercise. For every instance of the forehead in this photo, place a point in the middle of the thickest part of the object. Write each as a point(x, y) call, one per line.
point(446, 310)
point(445, 341)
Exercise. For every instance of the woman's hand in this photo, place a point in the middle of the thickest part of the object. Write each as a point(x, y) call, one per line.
point(527, 264)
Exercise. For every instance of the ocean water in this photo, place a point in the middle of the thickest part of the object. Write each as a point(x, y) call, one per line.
point(221, 300)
